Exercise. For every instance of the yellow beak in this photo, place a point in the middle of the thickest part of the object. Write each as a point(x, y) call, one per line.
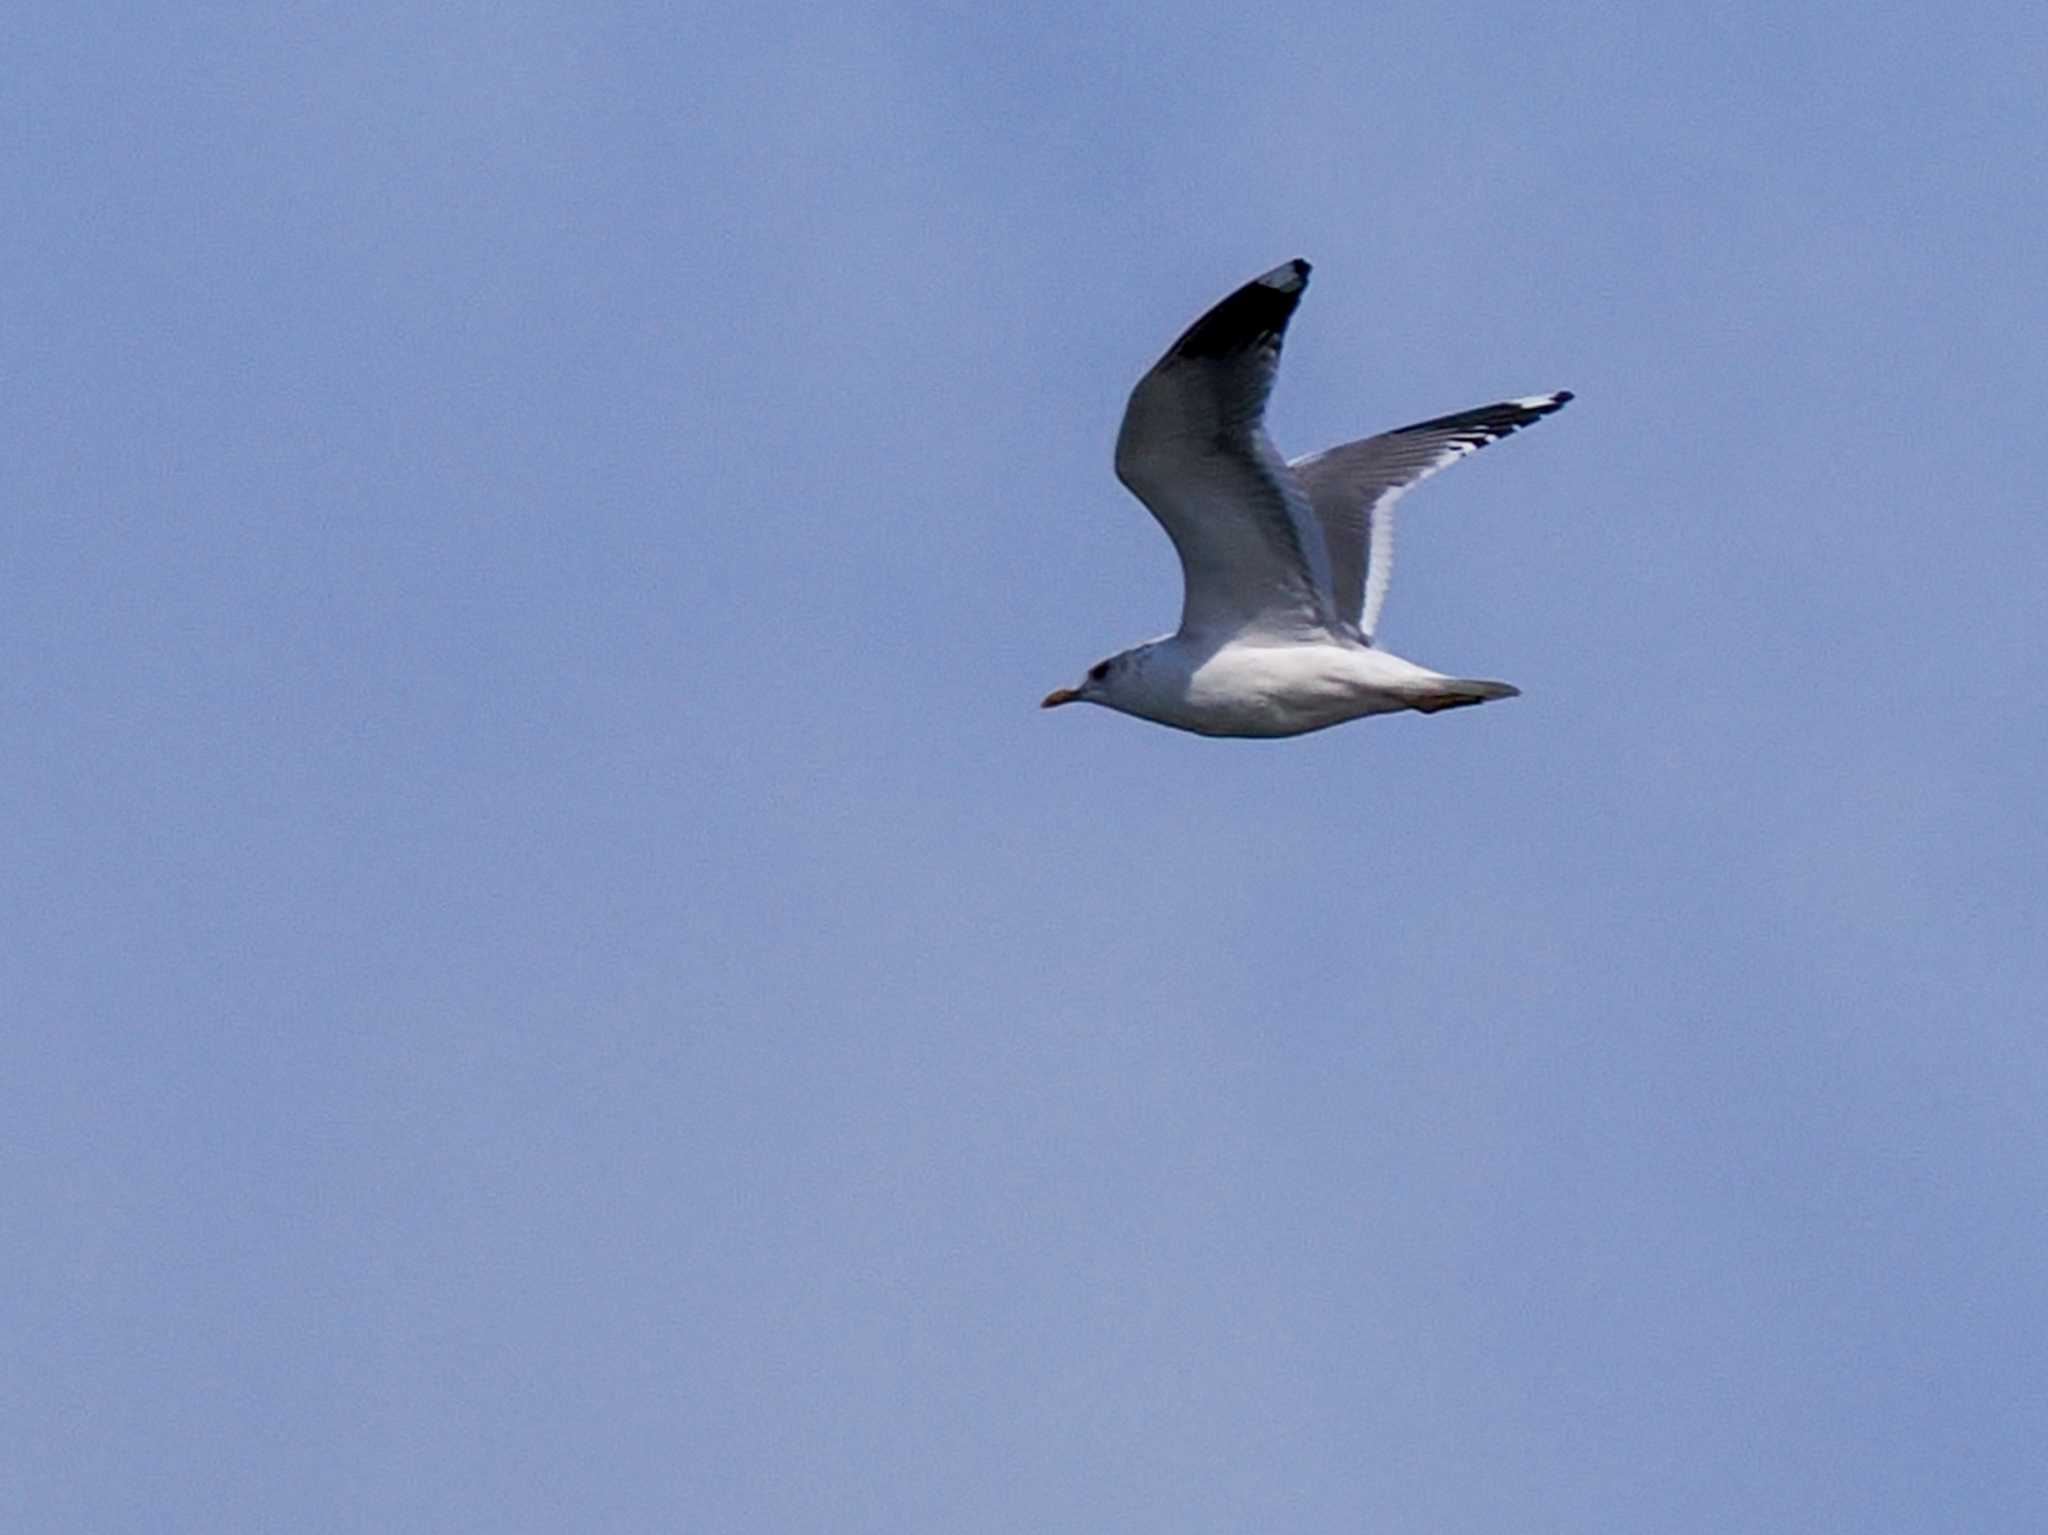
point(1057, 697)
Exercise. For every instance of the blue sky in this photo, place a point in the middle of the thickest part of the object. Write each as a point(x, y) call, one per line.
point(561, 981)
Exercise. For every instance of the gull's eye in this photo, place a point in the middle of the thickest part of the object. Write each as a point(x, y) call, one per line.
point(1098, 671)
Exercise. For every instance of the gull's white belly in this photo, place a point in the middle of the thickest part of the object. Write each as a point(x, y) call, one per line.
point(1279, 690)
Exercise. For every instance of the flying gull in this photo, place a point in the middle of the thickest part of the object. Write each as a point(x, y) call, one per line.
point(1285, 565)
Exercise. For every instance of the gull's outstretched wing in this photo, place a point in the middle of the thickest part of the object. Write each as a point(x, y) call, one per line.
point(1194, 449)
point(1354, 487)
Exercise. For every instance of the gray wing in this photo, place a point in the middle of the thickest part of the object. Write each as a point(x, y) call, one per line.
point(1353, 489)
point(1194, 449)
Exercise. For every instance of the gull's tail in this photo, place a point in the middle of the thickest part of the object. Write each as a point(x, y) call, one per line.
point(1457, 692)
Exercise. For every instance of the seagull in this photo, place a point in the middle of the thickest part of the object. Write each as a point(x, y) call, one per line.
point(1284, 565)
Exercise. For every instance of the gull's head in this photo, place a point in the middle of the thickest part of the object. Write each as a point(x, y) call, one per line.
point(1101, 676)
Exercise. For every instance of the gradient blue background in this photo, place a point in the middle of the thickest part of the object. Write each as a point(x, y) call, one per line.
point(559, 980)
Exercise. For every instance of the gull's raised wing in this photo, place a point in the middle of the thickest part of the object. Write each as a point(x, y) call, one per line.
point(1353, 489)
point(1194, 449)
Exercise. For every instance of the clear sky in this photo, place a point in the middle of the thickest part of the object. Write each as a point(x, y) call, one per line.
point(559, 980)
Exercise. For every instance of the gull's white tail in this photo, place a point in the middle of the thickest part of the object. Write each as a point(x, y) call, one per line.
point(1457, 692)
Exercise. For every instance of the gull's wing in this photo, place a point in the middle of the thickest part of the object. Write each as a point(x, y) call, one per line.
point(1353, 489)
point(1194, 449)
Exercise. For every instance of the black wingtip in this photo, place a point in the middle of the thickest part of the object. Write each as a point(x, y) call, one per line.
point(1255, 315)
point(1469, 430)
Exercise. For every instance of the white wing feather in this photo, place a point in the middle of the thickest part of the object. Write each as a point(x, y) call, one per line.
point(1353, 488)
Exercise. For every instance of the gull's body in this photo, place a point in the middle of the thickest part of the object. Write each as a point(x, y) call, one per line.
point(1285, 566)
